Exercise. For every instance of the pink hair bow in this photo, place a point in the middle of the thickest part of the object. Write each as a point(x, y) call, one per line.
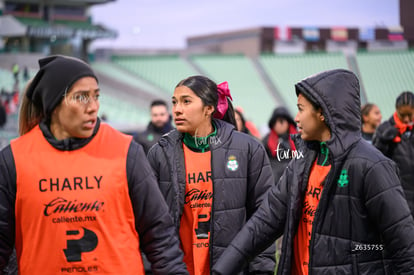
point(222, 104)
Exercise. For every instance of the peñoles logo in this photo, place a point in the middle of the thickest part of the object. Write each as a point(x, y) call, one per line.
point(61, 205)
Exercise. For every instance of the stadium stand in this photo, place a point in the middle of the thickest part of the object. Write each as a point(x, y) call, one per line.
point(165, 71)
point(7, 80)
point(6, 136)
point(385, 76)
point(125, 113)
point(286, 70)
point(246, 86)
point(120, 74)
point(129, 83)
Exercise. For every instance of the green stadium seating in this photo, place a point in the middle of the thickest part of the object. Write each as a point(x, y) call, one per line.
point(114, 71)
point(247, 88)
point(286, 70)
point(123, 112)
point(165, 71)
point(385, 75)
point(7, 80)
point(6, 136)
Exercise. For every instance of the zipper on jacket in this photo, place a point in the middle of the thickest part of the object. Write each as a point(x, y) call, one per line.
point(164, 150)
point(317, 214)
point(355, 270)
point(210, 246)
point(176, 187)
point(307, 166)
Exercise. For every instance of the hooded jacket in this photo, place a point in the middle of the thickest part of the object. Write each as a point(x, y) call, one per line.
point(401, 152)
point(237, 193)
point(154, 225)
point(362, 224)
point(279, 159)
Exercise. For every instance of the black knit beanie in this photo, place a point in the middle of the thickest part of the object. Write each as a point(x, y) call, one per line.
point(280, 112)
point(56, 76)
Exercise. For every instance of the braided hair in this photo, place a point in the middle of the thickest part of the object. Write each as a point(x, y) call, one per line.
point(404, 99)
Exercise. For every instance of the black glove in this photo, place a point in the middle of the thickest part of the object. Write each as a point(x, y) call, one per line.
point(386, 132)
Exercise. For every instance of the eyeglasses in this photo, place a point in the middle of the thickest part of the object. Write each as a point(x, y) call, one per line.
point(83, 98)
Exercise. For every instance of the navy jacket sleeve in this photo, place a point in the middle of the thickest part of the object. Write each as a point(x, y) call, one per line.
point(262, 229)
point(7, 217)
point(153, 222)
point(388, 208)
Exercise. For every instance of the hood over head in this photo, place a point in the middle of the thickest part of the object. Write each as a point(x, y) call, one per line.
point(337, 92)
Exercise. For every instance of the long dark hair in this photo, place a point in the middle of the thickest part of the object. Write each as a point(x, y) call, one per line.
point(206, 90)
point(244, 128)
point(30, 114)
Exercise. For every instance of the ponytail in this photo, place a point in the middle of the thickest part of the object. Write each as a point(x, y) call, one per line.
point(29, 114)
point(229, 115)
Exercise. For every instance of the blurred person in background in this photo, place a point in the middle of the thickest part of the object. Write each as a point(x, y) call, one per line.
point(371, 118)
point(278, 142)
point(16, 71)
point(159, 125)
point(241, 122)
point(249, 125)
point(340, 204)
point(212, 176)
point(75, 194)
point(26, 74)
point(395, 138)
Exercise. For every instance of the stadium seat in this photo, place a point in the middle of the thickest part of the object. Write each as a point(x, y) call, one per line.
point(164, 71)
point(286, 70)
point(246, 86)
point(385, 75)
point(118, 73)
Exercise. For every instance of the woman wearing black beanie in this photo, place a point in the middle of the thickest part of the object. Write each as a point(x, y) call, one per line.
point(77, 196)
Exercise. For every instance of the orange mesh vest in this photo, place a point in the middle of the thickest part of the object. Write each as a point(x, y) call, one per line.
point(195, 221)
point(73, 210)
point(310, 204)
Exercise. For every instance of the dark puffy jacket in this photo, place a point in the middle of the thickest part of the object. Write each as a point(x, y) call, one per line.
point(151, 135)
point(152, 221)
point(237, 194)
point(401, 152)
point(284, 155)
point(362, 224)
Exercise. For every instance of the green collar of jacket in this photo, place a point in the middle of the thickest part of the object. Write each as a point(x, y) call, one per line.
point(199, 143)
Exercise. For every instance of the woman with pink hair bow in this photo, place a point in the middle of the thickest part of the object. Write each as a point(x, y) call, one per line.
point(212, 176)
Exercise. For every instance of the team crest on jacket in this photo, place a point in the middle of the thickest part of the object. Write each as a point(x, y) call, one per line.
point(343, 179)
point(232, 163)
